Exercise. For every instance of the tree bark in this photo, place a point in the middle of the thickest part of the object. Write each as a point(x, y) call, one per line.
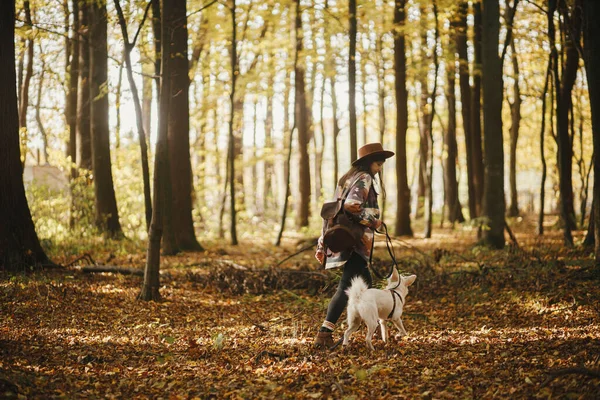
point(591, 42)
point(301, 122)
point(403, 192)
point(540, 227)
point(151, 285)
point(476, 143)
point(465, 98)
point(515, 114)
point(107, 214)
point(452, 201)
point(563, 141)
point(429, 163)
point(352, 78)
point(564, 86)
point(424, 115)
point(179, 133)
point(139, 119)
point(84, 141)
point(38, 103)
point(24, 94)
point(71, 101)
point(492, 84)
point(231, 141)
point(19, 244)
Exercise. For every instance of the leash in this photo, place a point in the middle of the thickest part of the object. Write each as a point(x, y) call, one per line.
point(390, 248)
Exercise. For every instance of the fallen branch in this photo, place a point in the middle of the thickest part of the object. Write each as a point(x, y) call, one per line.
point(270, 354)
point(112, 268)
point(570, 371)
point(87, 257)
point(296, 253)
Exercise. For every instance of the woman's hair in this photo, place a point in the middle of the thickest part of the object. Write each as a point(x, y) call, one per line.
point(364, 166)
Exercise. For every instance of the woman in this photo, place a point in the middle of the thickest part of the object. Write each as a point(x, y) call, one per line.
point(361, 203)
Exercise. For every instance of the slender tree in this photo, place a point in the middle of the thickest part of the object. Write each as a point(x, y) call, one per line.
point(515, 113)
point(465, 98)
point(540, 225)
point(72, 67)
point(403, 192)
point(301, 122)
point(352, 78)
point(138, 107)
point(107, 214)
point(591, 43)
point(451, 183)
point(26, 82)
point(492, 84)
point(19, 244)
point(231, 142)
point(151, 284)
point(84, 141)
point(477, 178)
point(428, 163)
point(179, 133)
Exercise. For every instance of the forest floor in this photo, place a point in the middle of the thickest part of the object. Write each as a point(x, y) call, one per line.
point(518, 323)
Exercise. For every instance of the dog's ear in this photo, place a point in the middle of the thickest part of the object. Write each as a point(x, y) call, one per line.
point(395, 277)
point(408, 280)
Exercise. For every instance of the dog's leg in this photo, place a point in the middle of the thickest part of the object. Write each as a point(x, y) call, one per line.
point(371, 327)
point(383, 330)
point(398, 323)
point(353, 325)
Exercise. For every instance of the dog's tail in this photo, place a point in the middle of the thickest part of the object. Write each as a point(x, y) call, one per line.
point(357, 287)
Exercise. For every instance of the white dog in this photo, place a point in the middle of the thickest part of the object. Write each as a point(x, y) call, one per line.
point(373, 305)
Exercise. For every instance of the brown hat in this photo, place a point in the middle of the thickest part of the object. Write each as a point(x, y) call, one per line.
point(372, 151)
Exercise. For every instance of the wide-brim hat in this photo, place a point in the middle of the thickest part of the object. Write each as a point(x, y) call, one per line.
point(372, 151)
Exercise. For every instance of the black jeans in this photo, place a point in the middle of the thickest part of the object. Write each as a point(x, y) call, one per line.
point(355, 266)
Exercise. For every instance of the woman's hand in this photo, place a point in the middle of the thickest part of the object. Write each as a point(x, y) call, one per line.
point(320, 256)
point(378, 223)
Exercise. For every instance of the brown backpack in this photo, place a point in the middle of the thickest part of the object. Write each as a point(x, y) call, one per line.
point(340, 231)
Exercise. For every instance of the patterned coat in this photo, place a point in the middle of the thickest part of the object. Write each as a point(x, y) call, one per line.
point(362, 204)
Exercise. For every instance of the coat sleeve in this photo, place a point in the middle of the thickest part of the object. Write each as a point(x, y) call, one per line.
point(356, 202)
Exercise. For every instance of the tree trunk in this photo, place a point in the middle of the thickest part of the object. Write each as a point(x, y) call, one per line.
point(84, 141)
point(352, 78)
point(179, 133)
point(320, 151)
point(19, 245)
point(38, 116)
point(465, 99)
point(451, 183)
point(381, 93)
point(287, 185)
point(139, 119)
point(403, 192)
point(424, 115)
point(24, 94)
point(269, 149)
point(476, 143)
point(107, 214)
point(71, 101)
point(492, 84)
point(564, 87)
point(429, 162)
point(301, 121)
point(591, 42)
point(231, 141)
point(151, 285)
point(336, 131)
point(563, 153)
point(515, 114)
point(540, 227)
